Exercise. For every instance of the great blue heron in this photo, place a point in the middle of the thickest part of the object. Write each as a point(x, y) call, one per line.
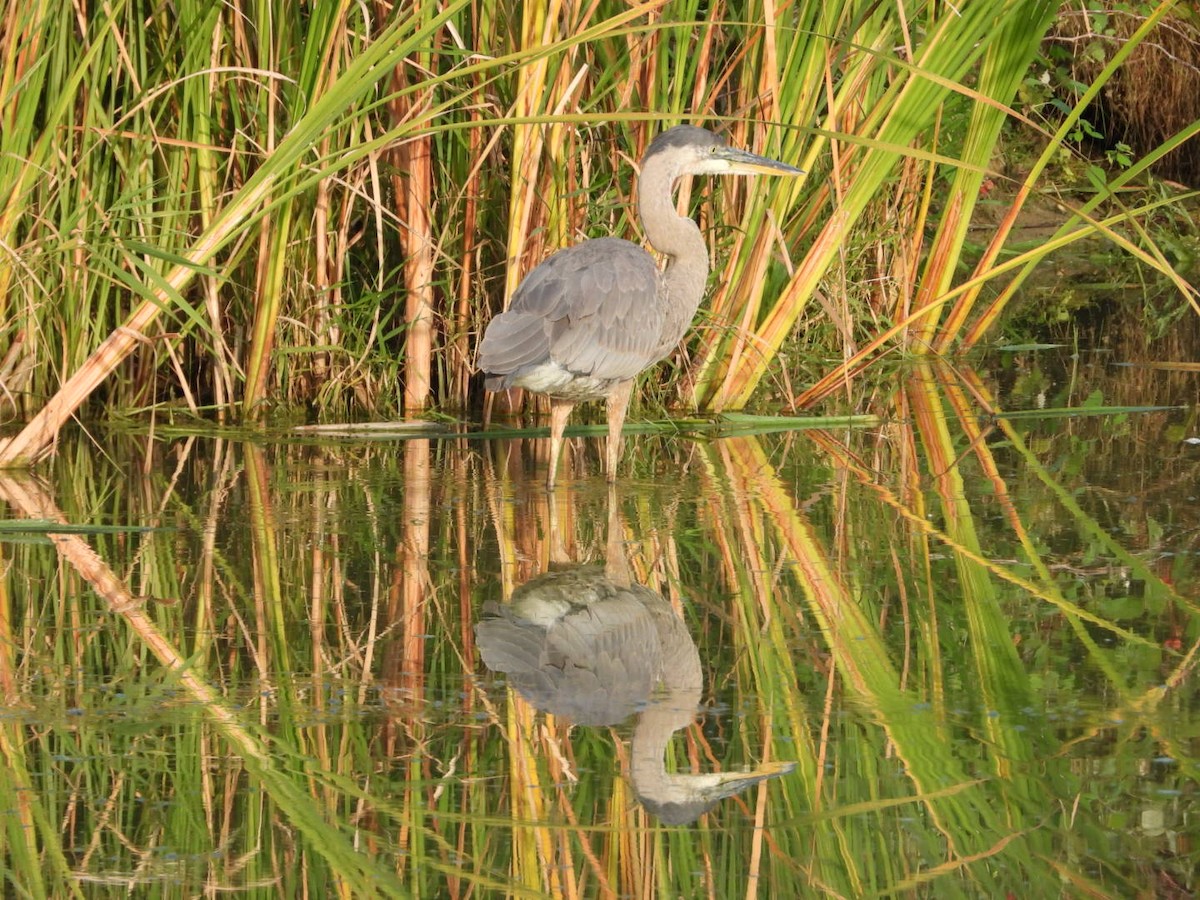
point(586, 321)
point(580, 644)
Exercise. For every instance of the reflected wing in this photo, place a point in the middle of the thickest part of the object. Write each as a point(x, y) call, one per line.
point(591, 309)
point(594, 663)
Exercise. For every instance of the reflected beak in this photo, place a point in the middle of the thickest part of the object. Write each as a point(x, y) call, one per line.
point(726, 784)
point(685, 798)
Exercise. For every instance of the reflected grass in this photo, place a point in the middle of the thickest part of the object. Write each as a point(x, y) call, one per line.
point(287, 695)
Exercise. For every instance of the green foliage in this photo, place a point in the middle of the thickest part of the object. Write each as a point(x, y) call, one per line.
point(231, 184)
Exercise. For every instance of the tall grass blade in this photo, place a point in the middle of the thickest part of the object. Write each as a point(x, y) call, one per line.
point(245, 207)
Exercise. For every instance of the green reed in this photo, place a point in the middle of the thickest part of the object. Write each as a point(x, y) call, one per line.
point(245, 210)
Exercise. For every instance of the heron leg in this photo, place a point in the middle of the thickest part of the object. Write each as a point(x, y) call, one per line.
point(559, 411)
point(618, 403)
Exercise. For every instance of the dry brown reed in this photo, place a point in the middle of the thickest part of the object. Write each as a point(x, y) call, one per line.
point(1156, 93)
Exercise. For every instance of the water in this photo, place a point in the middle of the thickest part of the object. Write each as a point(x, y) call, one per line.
point(254, 667)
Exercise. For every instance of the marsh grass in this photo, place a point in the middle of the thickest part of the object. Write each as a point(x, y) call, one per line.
point(244, 210)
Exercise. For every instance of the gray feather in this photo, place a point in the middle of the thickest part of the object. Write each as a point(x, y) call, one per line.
point(589, 309)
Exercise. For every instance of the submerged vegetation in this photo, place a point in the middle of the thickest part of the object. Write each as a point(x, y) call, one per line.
point(233, 210)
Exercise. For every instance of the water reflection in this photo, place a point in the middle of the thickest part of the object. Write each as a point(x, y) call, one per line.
point(590, 644)
point(923, 616)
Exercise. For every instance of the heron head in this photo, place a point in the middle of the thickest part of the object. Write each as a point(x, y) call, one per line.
point(690, 150)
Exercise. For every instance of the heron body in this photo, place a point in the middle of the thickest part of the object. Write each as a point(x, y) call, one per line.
point(588, 320)
point(578, 325)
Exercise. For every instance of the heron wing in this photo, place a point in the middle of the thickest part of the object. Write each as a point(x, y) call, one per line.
point(591, 309)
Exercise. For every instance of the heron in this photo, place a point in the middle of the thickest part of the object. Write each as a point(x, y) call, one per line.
point(594, 647)
point(585, 322)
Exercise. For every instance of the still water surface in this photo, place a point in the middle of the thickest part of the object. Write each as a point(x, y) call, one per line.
point(948, 652)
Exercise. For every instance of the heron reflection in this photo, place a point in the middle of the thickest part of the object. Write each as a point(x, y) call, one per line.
point(588, 644)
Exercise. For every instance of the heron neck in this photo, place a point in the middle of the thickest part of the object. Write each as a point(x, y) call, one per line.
point(679, 239)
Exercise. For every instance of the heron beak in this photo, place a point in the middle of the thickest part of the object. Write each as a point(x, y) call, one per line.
point(742, 162)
